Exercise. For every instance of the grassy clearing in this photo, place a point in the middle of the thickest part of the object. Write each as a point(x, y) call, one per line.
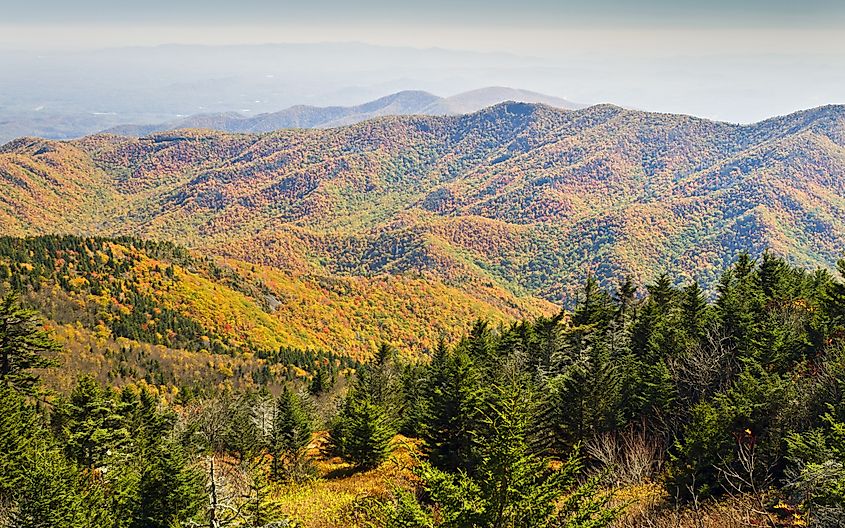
point(327, 501)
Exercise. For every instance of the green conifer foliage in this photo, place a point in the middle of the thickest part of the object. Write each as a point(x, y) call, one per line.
point(291, 434)
point(24, 346)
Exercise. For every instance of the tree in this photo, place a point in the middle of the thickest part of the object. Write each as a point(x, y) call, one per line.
point(170, 491)
point(290, 437)
point(694, 311)
point(37, 485)
point(24, 346)
point(514, 484)
point(89, 424)
point(321, 383)
point(362, 433)
point(817, 479)
point(452, 402)
point(580, 402)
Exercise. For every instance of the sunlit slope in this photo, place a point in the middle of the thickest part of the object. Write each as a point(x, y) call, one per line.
point(518, 197)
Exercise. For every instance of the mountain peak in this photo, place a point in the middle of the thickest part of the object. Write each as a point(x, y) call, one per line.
point(406, 102)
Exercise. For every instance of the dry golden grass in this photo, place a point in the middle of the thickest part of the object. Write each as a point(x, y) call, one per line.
point(649, 507)
point(329, 500)
point(326, 502)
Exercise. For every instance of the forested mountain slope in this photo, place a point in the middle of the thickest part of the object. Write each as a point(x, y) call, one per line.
point(128, 309)
point(517, 196)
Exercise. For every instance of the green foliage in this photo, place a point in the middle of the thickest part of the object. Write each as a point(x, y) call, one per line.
point(362, 433)
point(401, 510)
point(514, 485)
point(24, 346)
point(452, 405)
point(745, 391)
point(321, 383)
point(817, 480)
point(90, 424)
point(290, 436)
point(169, 489)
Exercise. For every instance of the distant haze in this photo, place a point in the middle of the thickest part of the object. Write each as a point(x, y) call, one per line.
point(98, 64)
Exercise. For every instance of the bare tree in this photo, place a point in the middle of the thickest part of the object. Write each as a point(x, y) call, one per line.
point(705, 368)
point(232, 434)
point(631, 456)
point(749, 476)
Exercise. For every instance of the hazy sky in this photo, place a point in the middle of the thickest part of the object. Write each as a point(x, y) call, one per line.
point(736, 60)
point(526, 26)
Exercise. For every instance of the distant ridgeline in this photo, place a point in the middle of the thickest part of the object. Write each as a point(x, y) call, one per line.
point(124, 295)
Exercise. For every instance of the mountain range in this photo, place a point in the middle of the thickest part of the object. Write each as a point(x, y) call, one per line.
point(511, 206)
point(409, 102)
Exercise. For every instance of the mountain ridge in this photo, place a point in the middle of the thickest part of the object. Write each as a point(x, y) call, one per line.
point(524, 196)
point(407, 102)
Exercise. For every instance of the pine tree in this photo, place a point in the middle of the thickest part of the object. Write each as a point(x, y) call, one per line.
point(170, 491)
point(594, 309)
point(24, 346)
point(362, 433)
point(453, 400)
point(290, 437)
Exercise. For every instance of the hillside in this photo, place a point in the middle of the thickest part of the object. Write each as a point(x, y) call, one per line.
point(189, 312)
point(517, 197)
point(410, 102)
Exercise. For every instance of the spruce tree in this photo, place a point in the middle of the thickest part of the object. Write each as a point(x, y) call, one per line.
point(290, 436)
point(89, 424)
point(36, 482)
point(362, 433)
point(24, 346)
point(694, 311)
point(320, 383)
point(170, 491)
point(514, 484)
point(453, 400)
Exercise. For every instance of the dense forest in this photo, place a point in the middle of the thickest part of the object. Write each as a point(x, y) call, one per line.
point(519, 198)
point(145, 294)
point(653, 406)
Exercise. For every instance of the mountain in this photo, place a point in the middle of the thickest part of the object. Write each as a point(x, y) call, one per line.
point(69, 93)
point(409, 102)
point(475, 100)
point(518, 198)
point(107, 299)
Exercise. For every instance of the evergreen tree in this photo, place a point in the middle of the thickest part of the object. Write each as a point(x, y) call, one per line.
point(453, 399)
point(362, 433)
point(583, 401)
point(694, 313)
point(89, 424)
point(290, 437)
point(320, 383)
point(24, 346)
point(37, 485)
point(514, 485)
point(363, 430)
point(170, 491)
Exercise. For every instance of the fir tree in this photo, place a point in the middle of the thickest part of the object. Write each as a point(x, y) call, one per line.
point(514, 485)
point(320, 383)
point(89, 424)
point(290, 436)
point(24, 346)
point(362, 433)
point(170, 491)
point(453, 400)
